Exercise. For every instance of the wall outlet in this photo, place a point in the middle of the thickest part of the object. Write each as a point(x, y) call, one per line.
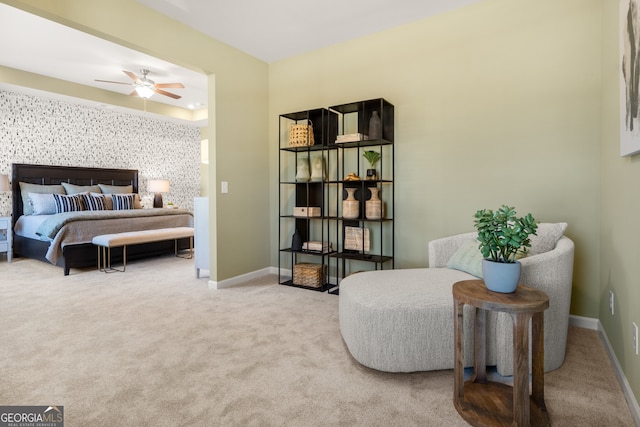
point(611, 302)
point(635, 337)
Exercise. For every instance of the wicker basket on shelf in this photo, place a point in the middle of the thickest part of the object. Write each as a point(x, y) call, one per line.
point(301, 135)
point(309, 274)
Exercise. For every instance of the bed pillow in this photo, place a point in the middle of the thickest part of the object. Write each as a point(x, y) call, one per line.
point(116, 189)
point(467, 258)
point(95, 202)
point(122, 189)
point(26, 188)
point(546, 237)
point(42, 204)
point(68, 203)
point(75, 189)
point(108, 201)
point(123, 201)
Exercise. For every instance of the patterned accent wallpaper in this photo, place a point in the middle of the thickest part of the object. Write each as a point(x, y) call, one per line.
point(36, 130)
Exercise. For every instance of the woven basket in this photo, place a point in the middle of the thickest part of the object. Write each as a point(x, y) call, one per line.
point(301, 135)
point(308, 274)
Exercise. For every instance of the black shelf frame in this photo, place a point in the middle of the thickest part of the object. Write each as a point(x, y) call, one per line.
point(364, 110)
point(307, 194)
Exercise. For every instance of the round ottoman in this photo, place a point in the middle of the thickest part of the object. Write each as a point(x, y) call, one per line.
point(402, 320)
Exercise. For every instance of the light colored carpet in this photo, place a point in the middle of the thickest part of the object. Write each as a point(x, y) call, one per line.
point(155, 347)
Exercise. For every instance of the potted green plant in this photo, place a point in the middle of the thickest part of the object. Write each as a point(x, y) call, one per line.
point(372, 157)
point(502, 235)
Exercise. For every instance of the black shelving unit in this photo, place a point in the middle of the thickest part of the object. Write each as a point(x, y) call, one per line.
point(354, 118)
point(327, 194)
point(309, 194)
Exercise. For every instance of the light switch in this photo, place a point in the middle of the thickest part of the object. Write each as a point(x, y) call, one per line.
point(224, 187)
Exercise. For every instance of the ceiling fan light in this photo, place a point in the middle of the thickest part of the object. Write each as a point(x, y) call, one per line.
point(144, 91)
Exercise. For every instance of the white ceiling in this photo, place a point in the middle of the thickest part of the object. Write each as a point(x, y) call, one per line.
point(268, 30)
point(277, 29)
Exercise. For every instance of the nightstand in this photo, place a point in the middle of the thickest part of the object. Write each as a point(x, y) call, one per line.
point(5, 236)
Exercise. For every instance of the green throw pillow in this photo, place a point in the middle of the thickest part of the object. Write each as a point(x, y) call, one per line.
point(468, 259)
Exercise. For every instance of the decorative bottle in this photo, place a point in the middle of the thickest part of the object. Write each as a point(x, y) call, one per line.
point(374, 205)
point(350, 205)
point(296, 241)
point(375, 128)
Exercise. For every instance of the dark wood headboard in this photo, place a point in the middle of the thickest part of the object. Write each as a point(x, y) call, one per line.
point(48, 175)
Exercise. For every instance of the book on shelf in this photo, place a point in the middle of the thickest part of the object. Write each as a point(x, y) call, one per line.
point(351, 137)
point(314, 246)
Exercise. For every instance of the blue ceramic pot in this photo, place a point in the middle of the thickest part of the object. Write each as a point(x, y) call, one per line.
point(500, 276)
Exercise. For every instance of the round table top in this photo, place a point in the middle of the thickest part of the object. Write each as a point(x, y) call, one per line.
point(523, 300)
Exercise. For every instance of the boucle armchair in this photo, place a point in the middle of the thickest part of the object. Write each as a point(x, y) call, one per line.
point(550, 272)
point(402, 320)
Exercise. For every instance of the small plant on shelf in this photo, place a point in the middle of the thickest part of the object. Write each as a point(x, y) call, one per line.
point(372, 157)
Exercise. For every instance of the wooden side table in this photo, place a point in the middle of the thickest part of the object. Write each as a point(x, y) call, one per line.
point(487, 403)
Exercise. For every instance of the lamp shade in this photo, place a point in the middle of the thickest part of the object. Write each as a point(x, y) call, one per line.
point(4, 183)
point(144, 91)
point(158, 185)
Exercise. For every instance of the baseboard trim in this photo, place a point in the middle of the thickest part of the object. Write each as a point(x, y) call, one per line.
point(227, 283)
point(596, 325)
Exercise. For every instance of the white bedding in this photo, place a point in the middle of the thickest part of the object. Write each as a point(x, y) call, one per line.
point(27, 225)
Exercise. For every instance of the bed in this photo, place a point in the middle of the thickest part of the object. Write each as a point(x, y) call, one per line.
point(69, 245)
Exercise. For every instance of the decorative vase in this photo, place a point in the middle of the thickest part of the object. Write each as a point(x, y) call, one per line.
point(501, 277)
point(350, 205)
point(374, 205)
point(296, 241)
point(302, 172)
point(317, 168)
point(375, 128)
point(372, 175)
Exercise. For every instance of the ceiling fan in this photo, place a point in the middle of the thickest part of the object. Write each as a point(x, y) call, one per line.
point(145, 87)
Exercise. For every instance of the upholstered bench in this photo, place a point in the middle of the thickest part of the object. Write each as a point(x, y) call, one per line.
point(402, 320)
point(105, 242)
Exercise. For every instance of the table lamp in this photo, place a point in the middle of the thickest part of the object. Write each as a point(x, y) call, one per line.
point(158, 186)
point(4, 183)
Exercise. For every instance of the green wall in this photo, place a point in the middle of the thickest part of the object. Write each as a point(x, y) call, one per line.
point(495, 103)
point(620, 204)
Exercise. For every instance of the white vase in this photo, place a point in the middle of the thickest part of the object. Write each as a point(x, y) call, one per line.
point(350, 205)
point(317, 168)
point(374, 205)
point(302, 171)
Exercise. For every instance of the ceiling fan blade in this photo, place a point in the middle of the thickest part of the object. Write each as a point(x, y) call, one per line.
point(171, 95)
point(130, 74)
point(134, 93)
point(109, 81)
point(174, 85)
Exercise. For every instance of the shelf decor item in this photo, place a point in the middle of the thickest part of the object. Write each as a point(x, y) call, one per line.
point(372, 157)
point(309, 274)
point(301, 135)
point(373, 206)
point(296, 241)
point(317, 168)
point(302, 170)
point(350, 205)
point(375, 128)
point(356, 239)
point(502, 236)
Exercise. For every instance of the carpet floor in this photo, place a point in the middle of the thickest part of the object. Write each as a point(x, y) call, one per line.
point(155, 347)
